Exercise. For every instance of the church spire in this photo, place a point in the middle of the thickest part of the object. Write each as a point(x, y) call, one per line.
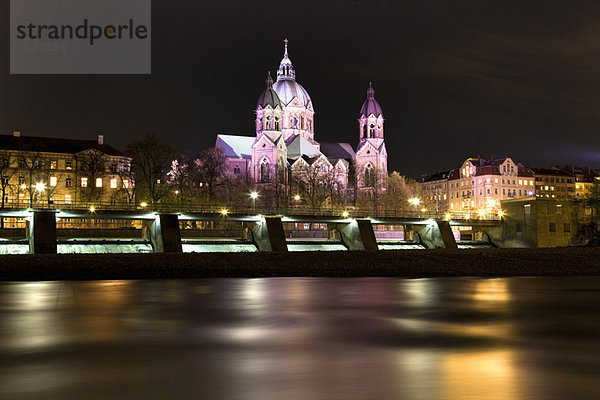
point(370, 91)
point(286, 69)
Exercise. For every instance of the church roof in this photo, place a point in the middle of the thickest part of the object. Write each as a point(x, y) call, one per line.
point(236, 146)
point(371, 106)
point(286, 86)
point(299, 146)
point(269, 96)
point(342, 151)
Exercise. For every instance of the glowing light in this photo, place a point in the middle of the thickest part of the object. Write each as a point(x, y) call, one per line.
point(23, 186)
point(481, 213)
point(40, 186)
point(448, 217)
point(423, 210)
point(143, 204)
point(176, 192)
point(468, 216)
point(501, 213)
point(492, 203)
point(92, 209)
point(254, 195)
point(345, 214)
point(224, 212)
point(297, 197)
point(415, 201)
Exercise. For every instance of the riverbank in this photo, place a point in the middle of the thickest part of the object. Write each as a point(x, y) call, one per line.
point(397, 263)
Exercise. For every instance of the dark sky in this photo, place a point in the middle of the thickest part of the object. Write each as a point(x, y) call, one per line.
point(455, 78)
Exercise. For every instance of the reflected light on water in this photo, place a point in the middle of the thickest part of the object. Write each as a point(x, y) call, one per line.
point(492, 290)
point(481, 375)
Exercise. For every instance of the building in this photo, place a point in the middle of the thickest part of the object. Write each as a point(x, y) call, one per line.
point(478, 186)
point(584, 178)
point(435, 188)
point(554, 183)
point(38, 171)
point(544, 222)
point(284, 151)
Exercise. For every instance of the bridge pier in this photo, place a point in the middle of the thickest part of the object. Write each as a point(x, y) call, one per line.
point(357, 234)
point(268, 234)
point(41, 232)
point(164, 233)
point(435, 236)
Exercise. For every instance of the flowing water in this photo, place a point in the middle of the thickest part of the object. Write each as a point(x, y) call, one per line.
point(296, 338)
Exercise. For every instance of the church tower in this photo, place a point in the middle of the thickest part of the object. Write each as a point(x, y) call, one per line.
point(371, 154)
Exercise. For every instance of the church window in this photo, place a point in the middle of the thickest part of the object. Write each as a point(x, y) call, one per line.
point(236, 170)
point(276, 123)
point(372, 130)
point(264, 170)
point(369, 175)
point(294, 121)
point(365, 131)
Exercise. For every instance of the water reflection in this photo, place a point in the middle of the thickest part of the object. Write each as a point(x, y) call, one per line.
point(296, 338)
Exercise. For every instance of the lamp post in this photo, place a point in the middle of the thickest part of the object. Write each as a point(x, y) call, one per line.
point(254, 196)
point(40, 187)
point(415, 201)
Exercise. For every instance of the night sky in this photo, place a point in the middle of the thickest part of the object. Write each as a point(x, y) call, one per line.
point(454, 78)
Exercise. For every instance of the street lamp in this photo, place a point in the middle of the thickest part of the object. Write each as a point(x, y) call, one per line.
point(297, 197)
point(415, 201)
point(254, 196)
point(40, 186)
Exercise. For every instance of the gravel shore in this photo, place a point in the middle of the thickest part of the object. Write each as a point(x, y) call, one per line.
point(396, 263)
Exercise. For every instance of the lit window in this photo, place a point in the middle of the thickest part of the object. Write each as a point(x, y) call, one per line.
point(53, 164)
point(67, 199)
point(531, 183)
point(488, 180)
point(113, 183)
point(496, 180)
point(520, 181)
point(52, 181)
point(68, 165)
point(126, 183)
point(84, 182)
point(98, 182)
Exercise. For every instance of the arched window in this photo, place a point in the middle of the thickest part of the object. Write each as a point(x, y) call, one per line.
point(302, 122)
point(236, 170)
point(369, 176)
point(276, 123)
point(264, 170)
point(365, 131)
point(372, 130)
point(268, 122)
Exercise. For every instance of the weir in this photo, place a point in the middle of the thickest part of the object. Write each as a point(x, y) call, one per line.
point(176, 233)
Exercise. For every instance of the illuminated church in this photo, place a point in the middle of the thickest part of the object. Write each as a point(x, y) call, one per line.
point(284, 145)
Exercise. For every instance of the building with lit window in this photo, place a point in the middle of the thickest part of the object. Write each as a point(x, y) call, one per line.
point(554, 183)
point(584, 178)
point(284, 149)
point(478, 186)
point(41, 171)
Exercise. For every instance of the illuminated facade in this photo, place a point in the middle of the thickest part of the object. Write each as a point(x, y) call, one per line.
point(284, 148)
point(479, 185)
point(38, 171)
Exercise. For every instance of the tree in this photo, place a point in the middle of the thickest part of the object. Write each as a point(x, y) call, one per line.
point(30, 164)
point(399, 190)
point(151, 161)
point(593, 200)
point(210, 168)
point(374, 183)
point(91, 167)
point(6, 174)
point(312, 181)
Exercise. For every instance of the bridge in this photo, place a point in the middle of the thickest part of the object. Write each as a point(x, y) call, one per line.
point(161, 228)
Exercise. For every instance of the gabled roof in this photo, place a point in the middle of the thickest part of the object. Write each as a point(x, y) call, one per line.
point(487, 170)
point(299, 146)
point(236, 146)
point(342, 151)
point(55, 145)
point(552, 172)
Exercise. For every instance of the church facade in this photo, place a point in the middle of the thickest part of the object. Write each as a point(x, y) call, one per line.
point(284, 150)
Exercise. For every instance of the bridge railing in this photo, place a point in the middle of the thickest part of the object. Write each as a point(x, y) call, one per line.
point(203, 208)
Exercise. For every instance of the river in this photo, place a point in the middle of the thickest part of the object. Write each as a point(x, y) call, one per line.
point(301, 338)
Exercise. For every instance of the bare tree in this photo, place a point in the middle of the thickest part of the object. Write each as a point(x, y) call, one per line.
point(6, 174)
point(30, 165)
point(151, 161)
point(91, 165)
point(210, 168)
point(312, 180)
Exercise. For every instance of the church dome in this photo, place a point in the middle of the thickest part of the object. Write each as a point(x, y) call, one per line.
point(269, 96)
point(287, 89)
point(371, 106)
point(286, 86)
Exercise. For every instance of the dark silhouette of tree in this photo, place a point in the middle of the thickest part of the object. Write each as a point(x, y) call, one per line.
point(151, 161)
point(210, 167)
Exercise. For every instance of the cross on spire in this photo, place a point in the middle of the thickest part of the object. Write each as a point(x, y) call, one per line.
point(286, 42)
